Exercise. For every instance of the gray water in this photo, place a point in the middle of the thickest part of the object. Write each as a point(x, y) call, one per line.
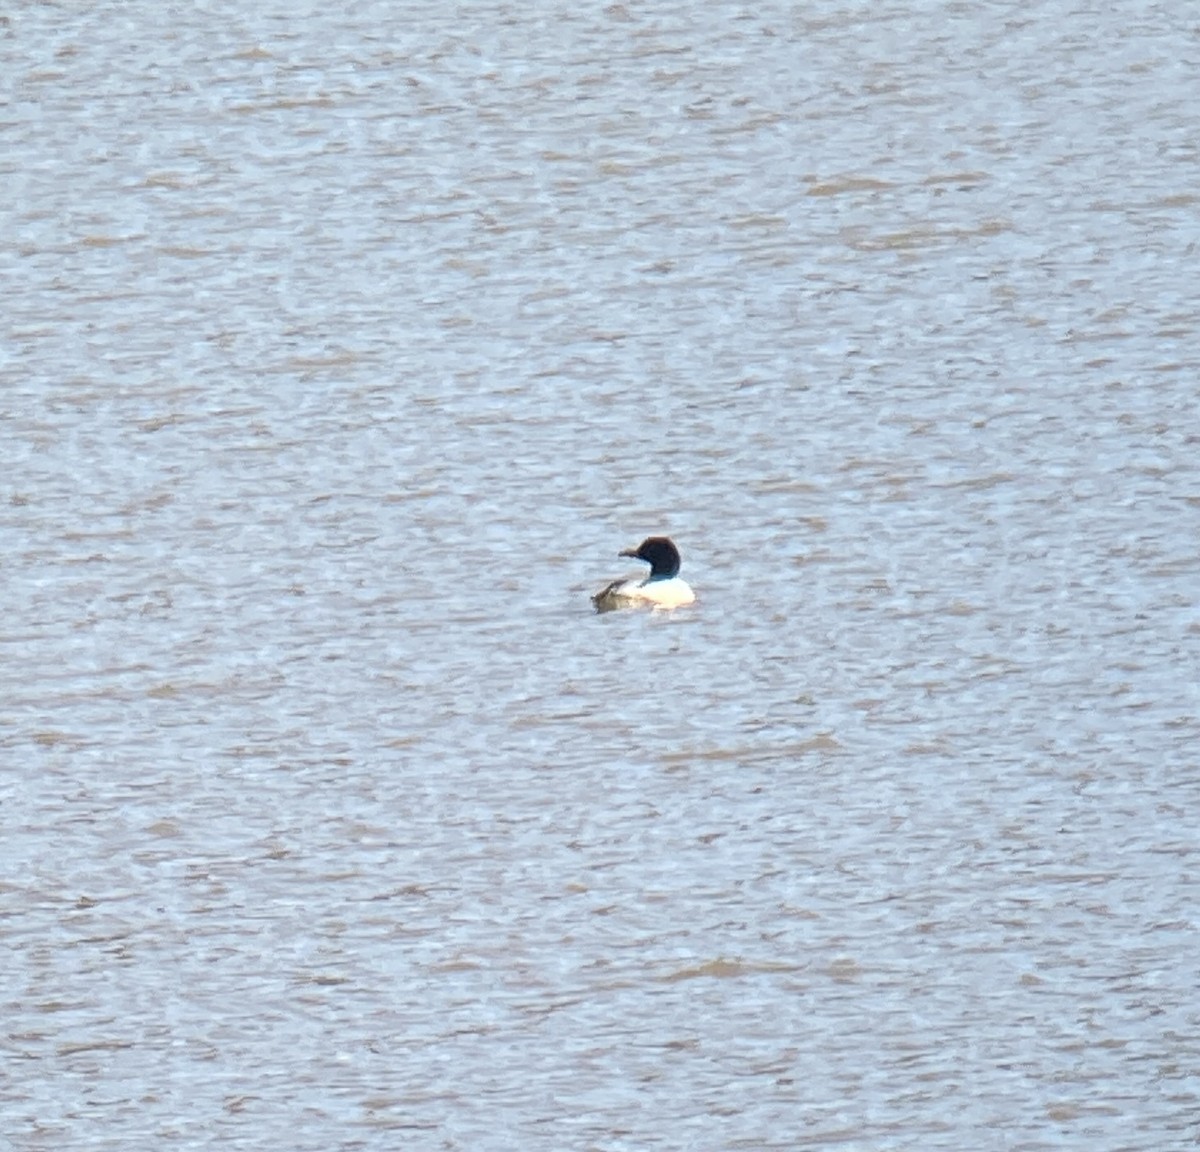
point(342, 349)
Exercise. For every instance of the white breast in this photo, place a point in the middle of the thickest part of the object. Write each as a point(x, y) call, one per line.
point(671, 593)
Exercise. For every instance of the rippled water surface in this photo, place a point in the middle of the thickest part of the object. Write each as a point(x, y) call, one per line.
point(342, 349)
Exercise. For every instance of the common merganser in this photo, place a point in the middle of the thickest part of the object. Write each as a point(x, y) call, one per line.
point(661, 589)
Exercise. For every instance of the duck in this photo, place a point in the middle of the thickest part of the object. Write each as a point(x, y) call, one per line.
point(663, 588)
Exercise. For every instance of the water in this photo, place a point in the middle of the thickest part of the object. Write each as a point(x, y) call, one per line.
point(342, 350)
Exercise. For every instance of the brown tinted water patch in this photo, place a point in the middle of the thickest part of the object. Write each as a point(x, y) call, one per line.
point(819, 743)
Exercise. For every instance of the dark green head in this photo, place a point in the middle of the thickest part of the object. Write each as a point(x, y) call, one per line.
point(659, 553)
